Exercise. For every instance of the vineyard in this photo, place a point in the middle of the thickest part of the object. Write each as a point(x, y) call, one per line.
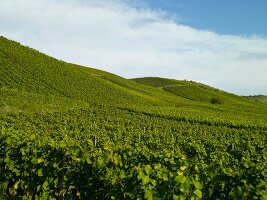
point(72, 132)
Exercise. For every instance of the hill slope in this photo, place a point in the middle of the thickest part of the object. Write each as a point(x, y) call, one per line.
point(28, 70)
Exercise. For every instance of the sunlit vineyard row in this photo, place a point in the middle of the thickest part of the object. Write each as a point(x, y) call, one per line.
point(105, 153)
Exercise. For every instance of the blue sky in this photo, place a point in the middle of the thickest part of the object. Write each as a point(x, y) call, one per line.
point(238, 17)
point(222, 43)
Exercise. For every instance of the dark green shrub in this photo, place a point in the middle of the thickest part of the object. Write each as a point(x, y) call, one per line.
point(216, 100)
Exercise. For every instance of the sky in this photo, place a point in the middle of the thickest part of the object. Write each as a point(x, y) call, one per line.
point(219, 43)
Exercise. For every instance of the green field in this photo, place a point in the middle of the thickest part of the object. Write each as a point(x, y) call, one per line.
point(74, 132)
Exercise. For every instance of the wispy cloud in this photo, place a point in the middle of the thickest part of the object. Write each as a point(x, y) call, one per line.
point(135, 42)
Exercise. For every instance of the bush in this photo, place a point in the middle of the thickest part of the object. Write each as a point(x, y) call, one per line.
point(216, 100)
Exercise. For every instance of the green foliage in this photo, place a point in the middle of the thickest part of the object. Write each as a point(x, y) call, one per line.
point(75, 155)
point(216, 100)
point(70, 132)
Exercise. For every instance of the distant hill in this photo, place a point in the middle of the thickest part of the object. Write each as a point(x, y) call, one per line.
point(194, 91)
point(190, 90)
point(258, 98)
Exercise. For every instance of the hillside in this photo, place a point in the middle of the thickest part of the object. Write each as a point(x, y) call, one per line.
point(74, 132)
point(28, 70)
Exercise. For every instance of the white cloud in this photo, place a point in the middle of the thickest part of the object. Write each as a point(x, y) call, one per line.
point(116, 37)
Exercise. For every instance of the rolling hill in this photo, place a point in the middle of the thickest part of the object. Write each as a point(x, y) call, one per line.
point(191, 90)
point(28, 70)
point(74, 132)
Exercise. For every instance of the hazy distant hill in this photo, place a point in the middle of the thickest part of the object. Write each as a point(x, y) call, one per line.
point(259, 98)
